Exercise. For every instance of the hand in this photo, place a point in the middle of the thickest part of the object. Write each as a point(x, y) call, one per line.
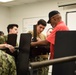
point(38, 39)
point(33, 44)
point(10, 47)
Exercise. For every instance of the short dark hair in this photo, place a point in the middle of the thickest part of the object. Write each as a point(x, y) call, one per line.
point(42, 21)
point(10, 26)
point(1, 32)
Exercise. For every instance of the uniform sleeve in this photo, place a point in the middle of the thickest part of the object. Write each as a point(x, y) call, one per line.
point(2, 40)
point(30, 32)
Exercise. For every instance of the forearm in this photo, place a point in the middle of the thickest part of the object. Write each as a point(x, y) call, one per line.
point(39, 43)
point(10, 47)
point(3, 46)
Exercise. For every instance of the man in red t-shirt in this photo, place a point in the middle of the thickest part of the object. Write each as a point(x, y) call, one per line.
point(58, 25)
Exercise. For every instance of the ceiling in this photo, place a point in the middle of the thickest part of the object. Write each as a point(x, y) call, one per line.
point(19, 2)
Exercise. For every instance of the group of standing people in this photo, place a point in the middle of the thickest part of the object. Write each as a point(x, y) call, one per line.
point(7, 63)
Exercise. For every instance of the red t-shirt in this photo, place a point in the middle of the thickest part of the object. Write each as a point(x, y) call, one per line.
point(51, 38)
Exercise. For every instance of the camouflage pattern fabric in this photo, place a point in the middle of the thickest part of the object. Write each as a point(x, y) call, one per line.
point(40, 71)
point(2, 39)
point(43, 70)
point(7, 64)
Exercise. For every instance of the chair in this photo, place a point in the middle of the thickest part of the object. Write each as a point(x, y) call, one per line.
point(65, 45)
point(23, 56)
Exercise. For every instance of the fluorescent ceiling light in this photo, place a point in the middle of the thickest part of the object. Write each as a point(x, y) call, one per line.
point(5, 0)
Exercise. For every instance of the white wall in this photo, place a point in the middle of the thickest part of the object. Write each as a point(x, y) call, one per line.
point(32, 10)
point(18, 13)
point(4, 18)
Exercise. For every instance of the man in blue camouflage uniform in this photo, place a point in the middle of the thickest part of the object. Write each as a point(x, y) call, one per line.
point(7, 64)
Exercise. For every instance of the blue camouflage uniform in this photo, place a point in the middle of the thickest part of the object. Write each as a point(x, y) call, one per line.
point(7, 62)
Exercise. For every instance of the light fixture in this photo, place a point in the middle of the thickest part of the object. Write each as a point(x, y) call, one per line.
point(5, 0)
